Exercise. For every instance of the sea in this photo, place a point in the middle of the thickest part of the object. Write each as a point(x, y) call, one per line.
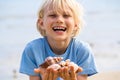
point(18, 27)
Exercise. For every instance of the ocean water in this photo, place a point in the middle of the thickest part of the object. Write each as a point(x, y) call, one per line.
point(18, 27)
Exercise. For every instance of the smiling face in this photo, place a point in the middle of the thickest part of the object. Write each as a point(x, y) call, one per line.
point(58, 25)
point(60, 18)
point(61, 7)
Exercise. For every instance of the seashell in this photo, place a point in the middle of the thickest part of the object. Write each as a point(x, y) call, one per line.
point(67, 62)
point(50, 60)
point(64, 63)
point(54, 66)
point(56, 63)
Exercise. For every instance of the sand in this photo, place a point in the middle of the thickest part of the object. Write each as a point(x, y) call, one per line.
point(115, 75)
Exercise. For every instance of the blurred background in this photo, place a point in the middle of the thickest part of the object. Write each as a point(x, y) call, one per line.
point(18, 27)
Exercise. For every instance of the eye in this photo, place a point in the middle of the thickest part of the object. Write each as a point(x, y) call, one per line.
point(53, 15)
point(66, 15)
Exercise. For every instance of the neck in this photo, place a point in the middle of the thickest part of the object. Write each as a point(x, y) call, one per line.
point(59, 46)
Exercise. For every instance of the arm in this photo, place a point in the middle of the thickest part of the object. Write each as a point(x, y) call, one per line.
point(82, 77)
point(34, 78)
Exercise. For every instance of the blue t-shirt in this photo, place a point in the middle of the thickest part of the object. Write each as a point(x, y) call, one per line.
point(38, 50)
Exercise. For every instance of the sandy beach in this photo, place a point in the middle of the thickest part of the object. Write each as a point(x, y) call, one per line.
point(114, 75)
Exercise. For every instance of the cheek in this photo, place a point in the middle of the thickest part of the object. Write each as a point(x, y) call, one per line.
point(71, 23)
point(47, 21)
point(71, 20)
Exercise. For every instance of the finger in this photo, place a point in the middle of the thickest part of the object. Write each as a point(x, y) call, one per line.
point(37, 70)
point(79, 70)
point(72, 70)
point(55, 72)
point(66, 73)
point(45, 75)
point(67, 62)
point(61, 72)
point(72, 73)
point(51, 73)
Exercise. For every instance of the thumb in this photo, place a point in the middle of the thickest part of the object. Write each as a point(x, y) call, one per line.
point(79, 69)
point(37, 70)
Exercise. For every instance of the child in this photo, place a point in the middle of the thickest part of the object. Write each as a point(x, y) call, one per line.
point(59, 22)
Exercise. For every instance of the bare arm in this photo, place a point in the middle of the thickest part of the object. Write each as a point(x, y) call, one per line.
point(82, 77)
point(34, 78)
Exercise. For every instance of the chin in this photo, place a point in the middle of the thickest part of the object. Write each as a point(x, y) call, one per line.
point(60, 38)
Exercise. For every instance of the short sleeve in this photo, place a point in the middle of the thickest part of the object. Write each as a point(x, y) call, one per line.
point(86, 60)
point(28, 62)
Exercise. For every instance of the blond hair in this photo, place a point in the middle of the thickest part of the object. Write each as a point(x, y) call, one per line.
point(62, 5)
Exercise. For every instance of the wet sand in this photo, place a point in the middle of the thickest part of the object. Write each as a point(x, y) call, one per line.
point(114, 75)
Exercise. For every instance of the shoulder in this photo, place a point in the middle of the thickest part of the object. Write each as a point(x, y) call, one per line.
point(33, 49)
point(34, 46)
point(81, 44)
point(35, 43)
point(82, 48)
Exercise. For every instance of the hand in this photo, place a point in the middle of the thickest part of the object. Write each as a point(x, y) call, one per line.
point(47, 73)
point(68, 73)
point(51, 74)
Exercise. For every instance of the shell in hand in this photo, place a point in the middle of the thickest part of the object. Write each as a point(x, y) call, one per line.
point(50, 60)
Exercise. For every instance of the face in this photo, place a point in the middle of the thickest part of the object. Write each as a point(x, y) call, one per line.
point(58, 26)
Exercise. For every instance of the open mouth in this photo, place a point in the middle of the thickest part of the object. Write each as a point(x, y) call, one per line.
point(59, 28)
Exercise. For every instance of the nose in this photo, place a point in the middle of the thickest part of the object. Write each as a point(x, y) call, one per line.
point(59, 19)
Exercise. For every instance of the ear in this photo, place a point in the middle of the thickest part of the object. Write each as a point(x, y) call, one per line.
point(76, 27)
point(40, 23)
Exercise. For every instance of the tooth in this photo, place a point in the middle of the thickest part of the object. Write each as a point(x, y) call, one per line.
point(59, 28)
point(55, 27)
